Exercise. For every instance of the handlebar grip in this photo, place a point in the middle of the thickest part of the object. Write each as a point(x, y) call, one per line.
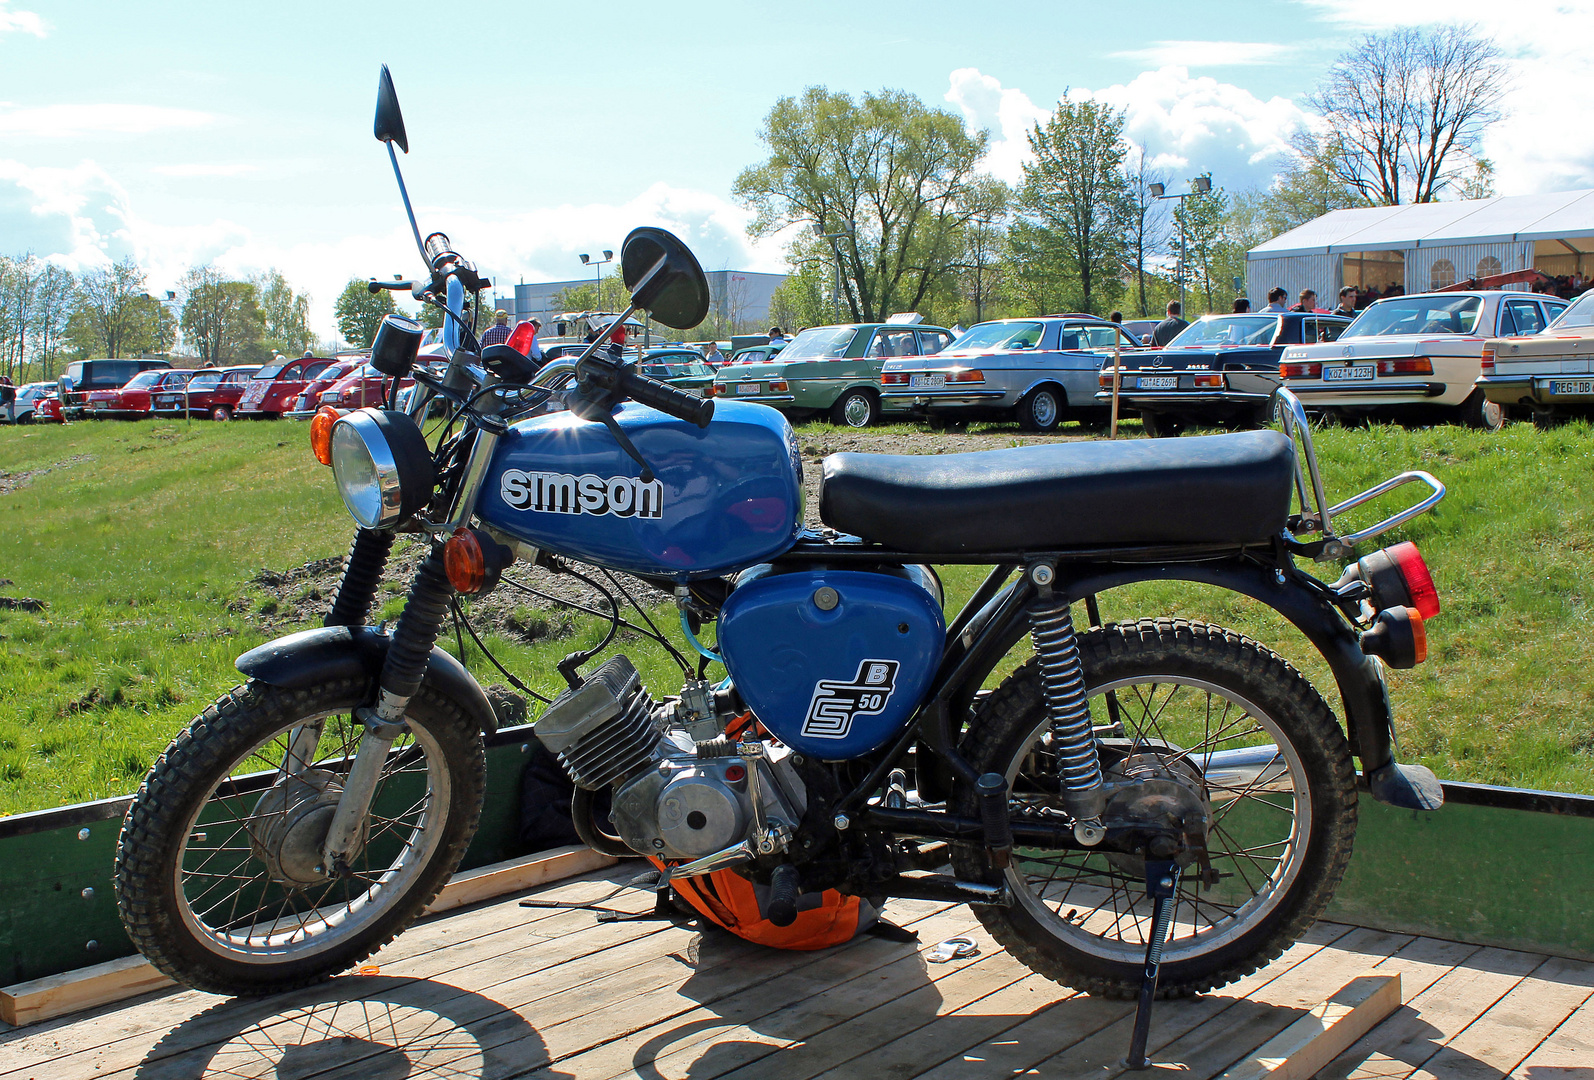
point(667, 399)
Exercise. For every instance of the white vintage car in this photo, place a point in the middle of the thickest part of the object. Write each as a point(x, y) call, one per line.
point(1415, 355)
point(1550, 373)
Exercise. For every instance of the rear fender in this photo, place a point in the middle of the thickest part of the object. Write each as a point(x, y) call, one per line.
point(357, 652)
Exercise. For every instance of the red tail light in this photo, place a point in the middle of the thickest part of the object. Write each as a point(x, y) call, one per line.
point(971, 375)
point(1488, 361)
point(1300, 371)
point(521, 339)
point(1419, 582)
point(1208, 380)
point(894, 378)
point(1419, 365)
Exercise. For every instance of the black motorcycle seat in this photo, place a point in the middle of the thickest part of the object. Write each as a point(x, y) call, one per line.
point(1211, 489)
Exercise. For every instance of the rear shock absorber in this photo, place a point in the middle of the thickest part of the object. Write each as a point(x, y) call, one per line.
point(362, 573)
point(1063, 681)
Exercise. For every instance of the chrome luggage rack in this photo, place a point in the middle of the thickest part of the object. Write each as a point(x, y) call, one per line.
point(1316, 515)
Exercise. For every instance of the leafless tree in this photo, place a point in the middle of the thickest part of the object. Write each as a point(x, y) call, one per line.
point(1148, 229)
point(1408, 110)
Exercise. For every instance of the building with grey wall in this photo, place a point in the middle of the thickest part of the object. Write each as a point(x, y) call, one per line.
point(738, 299)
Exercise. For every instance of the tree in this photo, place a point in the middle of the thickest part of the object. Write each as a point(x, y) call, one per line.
point(1209, 253)
point(360, 312)
point(52, 307)
point(898, 176)
point(1400, 110)
point(286, 314)
point(1479, 183)
point(222, 321)
point(1075, 191)
point(604, 294)
point(803, 299)
point(18, 285)
point(111, 315)
point(1147, 227)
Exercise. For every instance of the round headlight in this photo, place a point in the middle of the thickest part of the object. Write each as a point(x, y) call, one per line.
point(382, 466)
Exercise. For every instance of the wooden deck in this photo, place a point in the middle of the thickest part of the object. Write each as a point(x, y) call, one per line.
point(500, 991)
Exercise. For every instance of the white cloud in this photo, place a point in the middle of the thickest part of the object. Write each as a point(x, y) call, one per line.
point(1187, 124)
point(1541, 145)
point(21, 22)
point(74, 121)
point(203, 169)
point(1207, 54)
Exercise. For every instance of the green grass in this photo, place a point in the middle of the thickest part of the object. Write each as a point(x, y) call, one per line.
point(144, 552)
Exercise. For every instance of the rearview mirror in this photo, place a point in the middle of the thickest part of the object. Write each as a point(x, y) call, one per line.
point(663, 277)
point(389, 126)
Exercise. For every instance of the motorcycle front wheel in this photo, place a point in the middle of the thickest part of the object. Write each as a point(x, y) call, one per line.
point(1244, 735)
point(218, 876)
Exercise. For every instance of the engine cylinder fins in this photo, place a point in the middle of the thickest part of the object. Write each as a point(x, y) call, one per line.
point(1063, 679)
point(603, 731)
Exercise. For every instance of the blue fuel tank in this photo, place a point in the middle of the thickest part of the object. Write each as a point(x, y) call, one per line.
point(833, 662)
point(723, 498)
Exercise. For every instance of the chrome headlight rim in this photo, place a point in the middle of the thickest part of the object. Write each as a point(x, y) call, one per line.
point(382, 466)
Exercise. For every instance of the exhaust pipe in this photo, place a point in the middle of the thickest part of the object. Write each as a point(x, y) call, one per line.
point(1248, 770)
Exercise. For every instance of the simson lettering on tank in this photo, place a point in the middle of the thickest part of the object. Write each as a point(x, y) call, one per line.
point(564, 493)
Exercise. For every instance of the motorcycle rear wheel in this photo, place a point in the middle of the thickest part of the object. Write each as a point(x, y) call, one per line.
point(1283, 841)
point(215, 879)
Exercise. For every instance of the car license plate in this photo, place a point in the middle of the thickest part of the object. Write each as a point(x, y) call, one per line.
point(1159, 382)
point(1581, 387)
point(99, 404)
point(747, 388)
point(927, 382)
point(1353, 373)
point(171, 399)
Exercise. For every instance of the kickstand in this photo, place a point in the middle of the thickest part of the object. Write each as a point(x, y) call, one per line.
point(1162, 882)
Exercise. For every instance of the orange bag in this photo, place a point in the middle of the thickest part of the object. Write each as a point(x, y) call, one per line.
point(730, 900)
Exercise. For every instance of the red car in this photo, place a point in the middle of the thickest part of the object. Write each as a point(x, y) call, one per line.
point(305, 405)
point(275, 387)
point(48, 410)
point(359, 388)
point(134, 401)
point(212, 392)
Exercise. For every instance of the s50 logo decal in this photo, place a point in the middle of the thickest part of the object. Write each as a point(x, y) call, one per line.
point(836, 704)
point(563, 493)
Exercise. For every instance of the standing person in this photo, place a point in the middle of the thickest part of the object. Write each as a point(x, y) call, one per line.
point(1275, 299)
point(1308, 301)
point(1169, 328)
point(1347, 301)
point(535, 352)
point(776, 337)
point(714, 358)
point(1242, 306)
point(1116, 317)
point(498, 332)
point(8, 398)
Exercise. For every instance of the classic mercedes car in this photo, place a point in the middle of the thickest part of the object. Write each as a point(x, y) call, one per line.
point(1222, 369)
point(1415, 356)
point(1038, 371)
point(1550, 373)
point(834, 369)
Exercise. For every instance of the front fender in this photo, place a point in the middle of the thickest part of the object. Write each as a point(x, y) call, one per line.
point(353, 652)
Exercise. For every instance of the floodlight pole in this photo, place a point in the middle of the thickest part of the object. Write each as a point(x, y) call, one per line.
point(835, 249)
point(1201, 185)
point(597, 282)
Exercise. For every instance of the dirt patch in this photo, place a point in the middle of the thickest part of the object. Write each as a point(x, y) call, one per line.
point(10, 482)
point(21, 603)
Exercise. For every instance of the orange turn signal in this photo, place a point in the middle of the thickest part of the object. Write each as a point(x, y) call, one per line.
point(321, 433)
point(464, 562)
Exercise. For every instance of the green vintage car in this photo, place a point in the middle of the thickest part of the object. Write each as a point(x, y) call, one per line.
point(832, 369)
point(684, 369)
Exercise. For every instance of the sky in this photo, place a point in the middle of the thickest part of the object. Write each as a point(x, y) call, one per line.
point(240, 135)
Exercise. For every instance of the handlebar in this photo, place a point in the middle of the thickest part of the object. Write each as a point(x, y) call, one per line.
point(666, 398)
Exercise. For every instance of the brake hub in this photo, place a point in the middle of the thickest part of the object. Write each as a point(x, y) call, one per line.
point(1162, 794)
point(289, 825)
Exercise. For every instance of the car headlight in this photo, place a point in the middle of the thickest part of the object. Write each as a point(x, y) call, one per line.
point(382, 466)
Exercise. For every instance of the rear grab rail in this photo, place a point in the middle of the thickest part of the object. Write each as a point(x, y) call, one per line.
point(1316, 515)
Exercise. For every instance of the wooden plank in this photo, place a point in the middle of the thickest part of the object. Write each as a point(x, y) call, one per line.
point(73, 991)
point(487, 882)
point(1512, 1028)
point(117, 980)
point(1297, 1052)
point(1567, 1054)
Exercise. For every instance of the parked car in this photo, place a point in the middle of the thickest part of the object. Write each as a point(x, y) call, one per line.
point(309, 400)
point(83, 377)
point(835, 369)
point(362, 386)
point(682, 368)
point(135, 401)
point(212, 392)
point(28, 397)
point(273, 389)
point(1141, 329)
point(1417, 355)
point(1039, 371)
point(47, 410)
point(1550, 372)
point(1222, 369)
point(756, 354)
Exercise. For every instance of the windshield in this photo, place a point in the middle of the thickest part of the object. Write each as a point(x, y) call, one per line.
point(143, 380)
point(1417, 315)
point(1581, 313)
point(820, 343)
point(987, 337)
point(1218, 330)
